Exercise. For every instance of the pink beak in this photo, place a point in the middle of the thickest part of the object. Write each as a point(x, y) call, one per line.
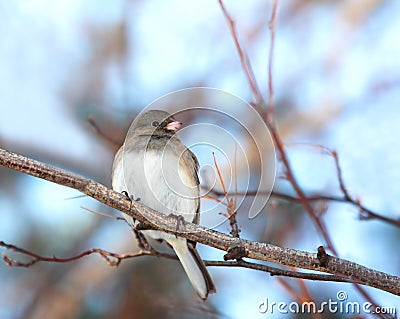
point(173, 126)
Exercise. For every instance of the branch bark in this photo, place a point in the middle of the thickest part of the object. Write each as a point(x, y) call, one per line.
point(209, 237)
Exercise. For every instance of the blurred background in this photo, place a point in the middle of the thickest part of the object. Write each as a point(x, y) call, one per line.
point(337, 83)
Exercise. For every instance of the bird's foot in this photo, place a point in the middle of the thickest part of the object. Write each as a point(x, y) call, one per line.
point(131, 198)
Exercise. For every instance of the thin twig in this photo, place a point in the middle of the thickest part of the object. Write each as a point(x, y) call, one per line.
point(231, 202)
point(219, 174)
point(367, 213)
point(113, 259)
point(100, 132)
point(232, 208)
point(340, 177)
point(259, 104)
point(214, 199)
point(272, 28)
point(244, 59)
point(103, 214)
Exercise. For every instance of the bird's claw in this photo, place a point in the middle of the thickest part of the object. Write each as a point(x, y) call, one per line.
point(131, 198)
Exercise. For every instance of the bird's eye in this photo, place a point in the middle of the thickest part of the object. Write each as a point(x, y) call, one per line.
point(155, 123)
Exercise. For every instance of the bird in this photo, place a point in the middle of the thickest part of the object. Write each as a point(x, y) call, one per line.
point(156, 168)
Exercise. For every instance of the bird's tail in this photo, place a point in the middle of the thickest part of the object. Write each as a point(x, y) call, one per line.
point(194, 267)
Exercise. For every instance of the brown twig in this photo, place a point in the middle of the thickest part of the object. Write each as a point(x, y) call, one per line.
point(244, 59)
point(100, 132)
point(113, 259)
point(367, 213)
point(214, 199)
point(272, 28)
point(231, 202)
point(301, 295)
point(259, 105)
point(298, 190)
point(219, 174)
point(340, 176)
point(103, 214)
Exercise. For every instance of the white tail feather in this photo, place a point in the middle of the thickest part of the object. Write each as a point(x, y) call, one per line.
point(191, 266)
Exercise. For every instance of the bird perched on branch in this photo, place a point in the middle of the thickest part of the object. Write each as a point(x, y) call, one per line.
point(154, 167)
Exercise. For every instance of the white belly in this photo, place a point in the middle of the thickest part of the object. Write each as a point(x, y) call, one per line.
point(161, 183)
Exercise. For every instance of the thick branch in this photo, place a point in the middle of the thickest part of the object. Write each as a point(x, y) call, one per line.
point(209, 237)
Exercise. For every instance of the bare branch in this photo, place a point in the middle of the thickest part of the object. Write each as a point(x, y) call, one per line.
point(259, 106)
point(366, 213)
point(112, 259)
point(103, 214)
point(272, 28)
point(100, 132)
point(244, 59)
point(197, 233)
point(282, 156)
point(219, 173)
point(231, 202)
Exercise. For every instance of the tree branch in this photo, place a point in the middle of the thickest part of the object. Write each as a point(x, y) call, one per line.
point(113, 259)
point(267, 115)
point(209, 237)
point(244, 59)
point(365, 213)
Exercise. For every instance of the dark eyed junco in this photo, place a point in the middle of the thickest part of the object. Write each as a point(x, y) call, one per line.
point(155, 167)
